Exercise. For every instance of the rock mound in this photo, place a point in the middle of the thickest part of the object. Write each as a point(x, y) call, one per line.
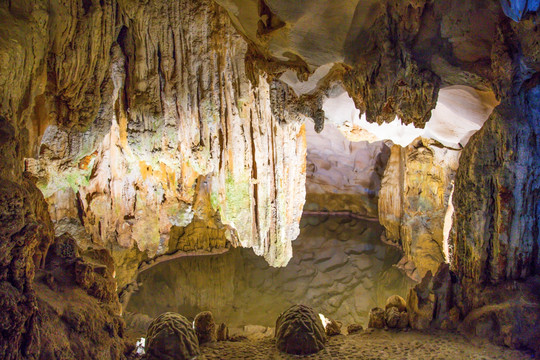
point(205, 327)
point(300, 331)
point(376, 318)
point(397, 302)
point(170, 336)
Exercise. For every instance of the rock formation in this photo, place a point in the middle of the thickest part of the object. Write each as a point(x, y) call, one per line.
point(84, 322)
point(414, 199)
point(171, 336)
point(299, 331)
point(205, 327)
point(182, 135)
point(377, 318)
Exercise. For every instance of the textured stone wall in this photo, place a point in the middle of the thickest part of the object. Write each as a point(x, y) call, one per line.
point(496, 235)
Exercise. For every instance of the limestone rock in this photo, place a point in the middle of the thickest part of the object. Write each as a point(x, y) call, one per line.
point(501, 195)
point(354, 328)
point(300, 331)
point(392, 317)
point(415, 198)
point(174, 156)
point(222, 332)
point(397, 302)
point(511, 324)
point(376, 318)
point(421, 304)
point(170, 335)
point(205, 327)
point(333, 328)
point(85, 321)
point(443, 288)
point(403, 320)
point(26, 233)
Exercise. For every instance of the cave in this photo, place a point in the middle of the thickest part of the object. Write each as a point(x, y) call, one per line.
point(269, 179)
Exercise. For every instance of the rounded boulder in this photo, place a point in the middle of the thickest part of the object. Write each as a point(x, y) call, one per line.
point(300, 331)
point(171, 336)
point(205, 327)
point(397, 302)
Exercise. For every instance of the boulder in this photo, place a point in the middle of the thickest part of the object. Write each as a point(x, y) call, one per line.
point(354, 328)
point(421, 304)
point(222, 332)
point(333, 328)
point(392, 317)
point(170, 336)
point(403, 320)
point(396, 301)
point(376, 318)
point(205, 327)
point(300, 331)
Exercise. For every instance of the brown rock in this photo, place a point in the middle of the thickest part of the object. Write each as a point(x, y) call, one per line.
point(354, 328)
point(452, 321)
point(392, 317)
point(222, 332)
point(421, 304)
point(333, 328)
point(205, 327)
point(443, 289)
point(171, 336)
point(300, 331)
point(396, 301)
point(376, 318)
point(403, 320)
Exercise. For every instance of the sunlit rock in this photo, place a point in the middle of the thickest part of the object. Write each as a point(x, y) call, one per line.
point(167, 157)
point(341, 174)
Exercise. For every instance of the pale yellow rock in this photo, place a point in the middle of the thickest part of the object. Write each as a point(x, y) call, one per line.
point(414, 199)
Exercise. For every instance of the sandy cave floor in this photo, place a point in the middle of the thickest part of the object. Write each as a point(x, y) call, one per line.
point(373, 344)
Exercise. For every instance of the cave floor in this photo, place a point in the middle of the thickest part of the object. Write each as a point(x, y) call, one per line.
point(373, 344)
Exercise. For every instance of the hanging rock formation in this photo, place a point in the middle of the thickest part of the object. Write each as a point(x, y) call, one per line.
point(181, 134)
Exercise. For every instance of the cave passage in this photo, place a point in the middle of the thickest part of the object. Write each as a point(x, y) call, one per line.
point(339, 267)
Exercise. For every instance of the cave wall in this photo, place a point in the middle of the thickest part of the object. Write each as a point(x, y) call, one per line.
point(414, 200)
point(496, 234)
point(343, 175)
